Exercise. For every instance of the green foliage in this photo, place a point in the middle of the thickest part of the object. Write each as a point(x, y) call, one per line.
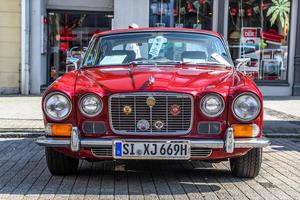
point(280, 9)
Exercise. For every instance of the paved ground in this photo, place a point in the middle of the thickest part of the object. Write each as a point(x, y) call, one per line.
point(282, 116)
point(23, 175)
point(21, 113)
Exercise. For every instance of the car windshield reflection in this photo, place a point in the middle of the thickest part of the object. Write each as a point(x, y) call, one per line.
point(157, 48)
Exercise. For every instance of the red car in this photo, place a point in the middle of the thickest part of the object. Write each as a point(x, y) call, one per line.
point(154, 93)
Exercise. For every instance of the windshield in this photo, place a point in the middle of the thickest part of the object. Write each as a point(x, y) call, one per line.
point(157, 48)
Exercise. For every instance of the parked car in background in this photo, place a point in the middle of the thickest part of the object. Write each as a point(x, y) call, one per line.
point(180, 99)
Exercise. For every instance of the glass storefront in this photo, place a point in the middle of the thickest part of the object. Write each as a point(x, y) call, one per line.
point(181, 13)
point(69, 34)
point(259, 30)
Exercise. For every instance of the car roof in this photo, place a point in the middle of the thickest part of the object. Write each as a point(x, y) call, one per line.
point(137, 30)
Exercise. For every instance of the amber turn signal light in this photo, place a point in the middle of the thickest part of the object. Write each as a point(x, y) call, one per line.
point(245, 130)
point(59, 130)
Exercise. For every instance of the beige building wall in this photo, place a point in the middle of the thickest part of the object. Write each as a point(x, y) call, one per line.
point(10, 46)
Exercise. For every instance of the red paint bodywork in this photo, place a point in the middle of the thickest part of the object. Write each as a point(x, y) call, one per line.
point(194, 80)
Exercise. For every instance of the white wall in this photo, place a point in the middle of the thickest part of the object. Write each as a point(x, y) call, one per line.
point(91, 5)
point(131, 11)
point(38, 67)
point(9, 46)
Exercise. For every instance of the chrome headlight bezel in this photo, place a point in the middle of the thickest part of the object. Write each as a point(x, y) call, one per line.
point(69, 103)
point(82, 110)
point(258, 106)
point(204, 111)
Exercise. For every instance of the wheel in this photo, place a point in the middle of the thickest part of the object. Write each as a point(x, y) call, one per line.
point(247, 166)
point(59, 164)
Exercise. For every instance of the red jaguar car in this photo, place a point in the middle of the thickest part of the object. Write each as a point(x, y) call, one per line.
point(155, 93)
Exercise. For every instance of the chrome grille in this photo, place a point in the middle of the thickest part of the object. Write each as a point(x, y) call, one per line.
point(200, 152)
point(104, 151)
point(127, 124)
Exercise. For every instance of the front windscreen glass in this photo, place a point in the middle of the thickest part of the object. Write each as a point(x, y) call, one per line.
point(157, 48)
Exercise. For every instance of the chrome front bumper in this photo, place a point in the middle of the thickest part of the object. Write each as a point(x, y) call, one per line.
point(200, 143)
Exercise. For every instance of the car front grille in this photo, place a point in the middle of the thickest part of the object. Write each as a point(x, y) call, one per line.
point(128, 111)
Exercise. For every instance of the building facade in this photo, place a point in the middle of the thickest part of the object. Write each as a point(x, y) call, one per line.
point(10, 38)
point(55, 35)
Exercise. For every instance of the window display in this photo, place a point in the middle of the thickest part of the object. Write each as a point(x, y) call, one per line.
point(259, 30)
point(181, 13)
point(69, 36)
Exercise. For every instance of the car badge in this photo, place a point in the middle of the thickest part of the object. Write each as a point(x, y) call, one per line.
point(151, 80)
point(175, 109)
point(143, 125)
point(150, 101)
point(127, 110)
point(158, 124)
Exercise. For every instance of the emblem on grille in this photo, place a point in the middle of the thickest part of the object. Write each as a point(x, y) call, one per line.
point(159, 124)
point(151, 101)
point(143, 125)
point(127, 110)
point(175, 109)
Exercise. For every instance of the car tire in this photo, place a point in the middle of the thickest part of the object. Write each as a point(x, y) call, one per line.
point(247, 166)
point(59, 164)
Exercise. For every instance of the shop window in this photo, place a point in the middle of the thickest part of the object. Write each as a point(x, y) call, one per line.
point(259, 30)
point(69, 36)
point(181, 13)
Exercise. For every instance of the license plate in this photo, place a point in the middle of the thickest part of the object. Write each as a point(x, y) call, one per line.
point(175, 150)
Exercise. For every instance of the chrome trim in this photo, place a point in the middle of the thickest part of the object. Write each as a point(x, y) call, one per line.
point(134, 94)
point(246, 93)
point(50, 95)
point(81, 109)
point(229, 141)
point(75, 140)
point(102, 151)
point(251, 142)
point(218, 113)
point(106, 151)
point(195, 151)
point(200, 143)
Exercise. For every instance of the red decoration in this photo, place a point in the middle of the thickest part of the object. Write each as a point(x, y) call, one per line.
point(249, 12)
point(189, 7)
point(264, 6)
point(175, 109)
point(233, 11)
point(64, 46)
point(272, 35)
point(46, 20)
point(202, 1)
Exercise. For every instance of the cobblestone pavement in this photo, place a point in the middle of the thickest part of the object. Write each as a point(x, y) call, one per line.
point(24, 175)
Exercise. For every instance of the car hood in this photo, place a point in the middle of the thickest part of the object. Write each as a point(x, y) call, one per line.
point(161, 78)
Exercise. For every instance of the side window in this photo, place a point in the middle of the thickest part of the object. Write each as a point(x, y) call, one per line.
point(118, 47)
point(91, 54)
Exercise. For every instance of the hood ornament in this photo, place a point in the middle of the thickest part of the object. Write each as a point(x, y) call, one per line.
point(151, 80)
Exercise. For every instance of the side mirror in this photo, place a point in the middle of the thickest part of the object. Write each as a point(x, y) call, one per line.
point(241, 62)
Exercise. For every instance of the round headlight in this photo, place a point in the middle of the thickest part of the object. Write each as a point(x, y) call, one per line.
point(57, 106)
point(246, 107)
point(90, 105)
point(212, 105)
